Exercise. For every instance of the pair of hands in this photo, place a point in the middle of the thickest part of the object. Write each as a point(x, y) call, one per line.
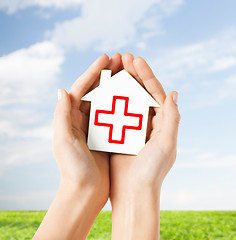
point(115, 174)
point(95, 176)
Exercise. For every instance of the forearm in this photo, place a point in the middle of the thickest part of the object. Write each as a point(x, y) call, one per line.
point(71, 214)
point(136, 216)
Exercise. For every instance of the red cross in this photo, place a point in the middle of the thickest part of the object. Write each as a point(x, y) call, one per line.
point(125, 115)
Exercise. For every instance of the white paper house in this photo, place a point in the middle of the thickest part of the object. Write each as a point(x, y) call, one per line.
point(118, 114)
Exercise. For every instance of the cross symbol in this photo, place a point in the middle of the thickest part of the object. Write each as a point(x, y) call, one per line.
point(118, 119)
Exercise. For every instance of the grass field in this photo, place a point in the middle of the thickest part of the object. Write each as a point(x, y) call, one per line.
point(182, 225)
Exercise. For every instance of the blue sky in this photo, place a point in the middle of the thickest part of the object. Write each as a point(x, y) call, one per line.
point(191, 46)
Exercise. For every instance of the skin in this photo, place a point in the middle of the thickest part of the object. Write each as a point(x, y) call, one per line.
point(88, 178)
point(84, 187)
point(136, 180)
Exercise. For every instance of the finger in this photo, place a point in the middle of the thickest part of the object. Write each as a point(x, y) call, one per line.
point(171, 119)
point(127, 60)
point(114, 63)
point(121, 67)
point(62, 117)
point(149, 80)
point(86, 80)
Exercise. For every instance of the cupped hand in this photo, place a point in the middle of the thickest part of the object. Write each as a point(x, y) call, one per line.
point(148, 169)
point(80, 167)
point(84, 187)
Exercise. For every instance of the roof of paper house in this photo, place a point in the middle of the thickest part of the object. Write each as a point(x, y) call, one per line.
point(122, 83)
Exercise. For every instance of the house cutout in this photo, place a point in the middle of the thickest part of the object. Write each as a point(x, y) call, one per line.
point(118, 114)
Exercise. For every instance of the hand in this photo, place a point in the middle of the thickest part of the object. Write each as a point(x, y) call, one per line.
point(84, 187)
point(136, 180)
point(79, 166)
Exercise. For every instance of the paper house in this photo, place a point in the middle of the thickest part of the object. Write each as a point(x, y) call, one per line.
point(118, 114)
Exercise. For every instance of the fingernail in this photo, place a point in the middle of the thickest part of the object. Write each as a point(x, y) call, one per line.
point(59, 94)
point(104, 54)
point(175, 97)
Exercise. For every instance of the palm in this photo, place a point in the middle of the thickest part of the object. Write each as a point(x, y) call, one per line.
point(129, 170)
point(94, 164)
point(88, 165)
point(77, 163)
point(134, 169)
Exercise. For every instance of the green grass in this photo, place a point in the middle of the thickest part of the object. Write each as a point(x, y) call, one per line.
point(181, 225)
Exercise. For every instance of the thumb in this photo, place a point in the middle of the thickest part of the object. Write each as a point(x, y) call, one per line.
point(62, 117)
point(171, 119)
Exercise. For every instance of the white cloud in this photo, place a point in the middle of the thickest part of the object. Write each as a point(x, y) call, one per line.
point(22, 144)
point(214, 198)
point(9, 128)
point(27, 82)
point(198, 159)
point(170, 6)
point(200, 180)
point(39, 200)
point(26, 73)
point(24, 151)
point(227, 91)
point(206, 57)
point(206, 68)
point(11, 6)
point(110, 25)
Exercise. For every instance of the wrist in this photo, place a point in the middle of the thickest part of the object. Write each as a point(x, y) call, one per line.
point(135, 211)
point(86, 192)
point(134, 193)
